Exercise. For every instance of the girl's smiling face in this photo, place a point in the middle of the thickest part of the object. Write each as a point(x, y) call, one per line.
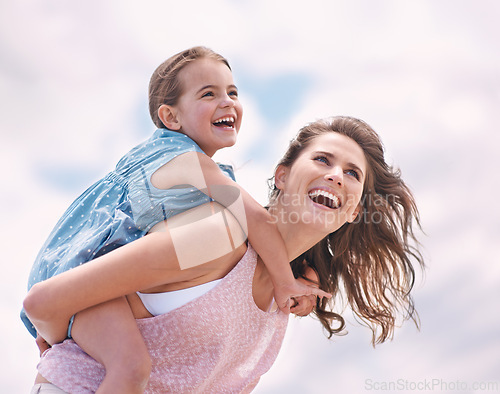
point(323, 187)
point(208, 110)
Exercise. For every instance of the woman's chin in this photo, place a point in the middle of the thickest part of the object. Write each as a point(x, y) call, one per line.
point(321, 221)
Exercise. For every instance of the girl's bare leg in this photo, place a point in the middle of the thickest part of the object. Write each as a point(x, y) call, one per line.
point(108, 333)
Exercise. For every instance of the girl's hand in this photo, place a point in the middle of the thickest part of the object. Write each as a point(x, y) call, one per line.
point(303, 305)
point(300, 297)
point(284, 295)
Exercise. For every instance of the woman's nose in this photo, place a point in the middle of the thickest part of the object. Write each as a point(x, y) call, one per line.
point(335, 175)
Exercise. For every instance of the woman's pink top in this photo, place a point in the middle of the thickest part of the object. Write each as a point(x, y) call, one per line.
point(219, 342)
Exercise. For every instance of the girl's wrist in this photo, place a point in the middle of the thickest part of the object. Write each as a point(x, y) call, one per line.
point(283, 282)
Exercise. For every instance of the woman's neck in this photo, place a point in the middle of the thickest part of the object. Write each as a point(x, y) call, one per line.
point(298, 237)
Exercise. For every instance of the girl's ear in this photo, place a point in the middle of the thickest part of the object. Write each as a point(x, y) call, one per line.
point(168, 116)
point(280, 176)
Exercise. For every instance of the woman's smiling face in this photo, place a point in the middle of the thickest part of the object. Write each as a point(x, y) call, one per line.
point(324, 185)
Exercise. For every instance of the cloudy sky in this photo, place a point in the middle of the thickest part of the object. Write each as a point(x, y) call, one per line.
point(424, 74)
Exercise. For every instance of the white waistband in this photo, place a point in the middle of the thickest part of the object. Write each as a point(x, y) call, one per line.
point(160, 303)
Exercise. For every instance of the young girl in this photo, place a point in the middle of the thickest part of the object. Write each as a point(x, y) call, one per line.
point(194, 103)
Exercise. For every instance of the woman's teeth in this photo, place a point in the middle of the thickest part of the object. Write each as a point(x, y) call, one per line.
point(325, 198)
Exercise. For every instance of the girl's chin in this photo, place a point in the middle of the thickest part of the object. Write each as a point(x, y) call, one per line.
point(227, 142)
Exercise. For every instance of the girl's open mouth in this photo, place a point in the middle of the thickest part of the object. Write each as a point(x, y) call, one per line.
point(225, 122)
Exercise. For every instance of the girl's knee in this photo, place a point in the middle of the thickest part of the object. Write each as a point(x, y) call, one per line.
point(132, 372)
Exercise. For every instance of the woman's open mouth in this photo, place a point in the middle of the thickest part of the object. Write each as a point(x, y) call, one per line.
point(225, 122)
point(325, 198)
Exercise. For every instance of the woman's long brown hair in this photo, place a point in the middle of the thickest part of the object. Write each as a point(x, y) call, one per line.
point(370, 262)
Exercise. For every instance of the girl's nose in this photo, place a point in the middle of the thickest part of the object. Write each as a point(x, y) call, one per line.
point(226, 101)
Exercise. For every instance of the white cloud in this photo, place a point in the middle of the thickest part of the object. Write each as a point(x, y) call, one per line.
point(73, 84)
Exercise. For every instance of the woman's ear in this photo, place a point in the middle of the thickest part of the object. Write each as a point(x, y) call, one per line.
point(280, 176)
point(168, 116)
point(355, 213)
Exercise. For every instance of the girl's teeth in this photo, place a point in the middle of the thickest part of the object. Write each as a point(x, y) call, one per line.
point(224, 120)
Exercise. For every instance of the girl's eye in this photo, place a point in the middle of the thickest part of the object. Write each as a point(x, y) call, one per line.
point(233, 93)
point(353, 173)
point(322, 159)
point(207, 94)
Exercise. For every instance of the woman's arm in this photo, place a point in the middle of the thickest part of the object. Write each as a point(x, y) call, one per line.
point(145, 263)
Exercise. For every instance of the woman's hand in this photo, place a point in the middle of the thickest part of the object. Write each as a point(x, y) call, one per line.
point(42, 344)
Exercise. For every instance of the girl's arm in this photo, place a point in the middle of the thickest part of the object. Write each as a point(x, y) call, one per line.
point(202, 172)
point(304, 305)
point(145, 263)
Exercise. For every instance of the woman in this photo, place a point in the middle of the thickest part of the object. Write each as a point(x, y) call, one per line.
point(342, 212)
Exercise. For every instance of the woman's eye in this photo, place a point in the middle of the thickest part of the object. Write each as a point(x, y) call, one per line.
point(353, 173)
point(322, 159)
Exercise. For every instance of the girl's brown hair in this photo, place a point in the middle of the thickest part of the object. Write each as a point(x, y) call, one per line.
point(165, 87)
point(370, 261)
